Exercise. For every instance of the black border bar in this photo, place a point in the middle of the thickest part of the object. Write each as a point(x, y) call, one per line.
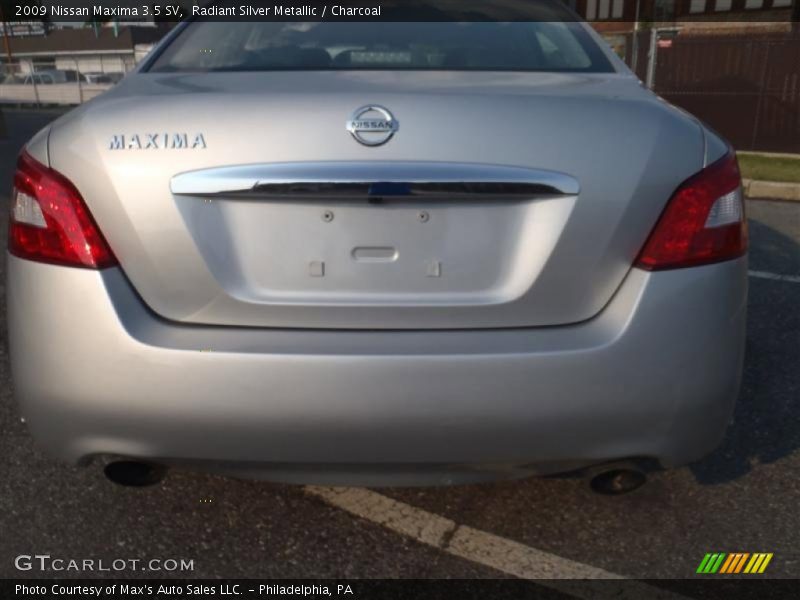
point(710, 588)
point(171, 11)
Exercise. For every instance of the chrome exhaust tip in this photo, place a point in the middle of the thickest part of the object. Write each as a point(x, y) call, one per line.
point(615, 482)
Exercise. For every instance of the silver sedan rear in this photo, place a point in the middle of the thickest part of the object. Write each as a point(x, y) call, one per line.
point(402, 253)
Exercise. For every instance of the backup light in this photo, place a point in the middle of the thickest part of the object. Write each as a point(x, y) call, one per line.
point(726, 210)
point(26, 209)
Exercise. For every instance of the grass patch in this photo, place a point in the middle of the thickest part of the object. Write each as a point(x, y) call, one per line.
point(770, 168)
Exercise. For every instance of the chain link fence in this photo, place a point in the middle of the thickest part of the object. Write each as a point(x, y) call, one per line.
point(746, 86)
point(47, 83)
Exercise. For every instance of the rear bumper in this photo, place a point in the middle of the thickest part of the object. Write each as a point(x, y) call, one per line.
point(655, 375)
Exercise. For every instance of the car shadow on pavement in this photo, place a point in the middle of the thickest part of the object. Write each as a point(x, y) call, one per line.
point(765, 426)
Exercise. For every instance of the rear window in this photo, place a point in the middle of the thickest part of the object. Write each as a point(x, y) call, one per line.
point(452, 46)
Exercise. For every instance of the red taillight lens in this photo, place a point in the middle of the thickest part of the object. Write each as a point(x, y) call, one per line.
point(50, 222)
point(703, 223)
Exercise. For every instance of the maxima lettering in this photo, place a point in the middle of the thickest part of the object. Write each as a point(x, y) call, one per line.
point(157, 141)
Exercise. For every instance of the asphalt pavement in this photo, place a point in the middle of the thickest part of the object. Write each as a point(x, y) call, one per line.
point(742, 498)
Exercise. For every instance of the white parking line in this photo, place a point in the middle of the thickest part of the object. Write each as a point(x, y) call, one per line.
point(485, 548)
point(774, 276)
point(493, 551)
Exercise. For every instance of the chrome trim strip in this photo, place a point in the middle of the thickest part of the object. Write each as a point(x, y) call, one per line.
point(373, 179)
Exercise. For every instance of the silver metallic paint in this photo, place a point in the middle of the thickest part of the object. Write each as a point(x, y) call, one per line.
point(136, 364)
point(655, 375)
point(165, 243)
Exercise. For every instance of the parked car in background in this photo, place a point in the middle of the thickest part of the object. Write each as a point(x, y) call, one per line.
point(38, 79)
point(379, 253)
point(53, 76)
point(97, 77)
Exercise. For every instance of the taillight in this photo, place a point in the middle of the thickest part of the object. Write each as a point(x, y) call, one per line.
point(703, 222)
point(50, 222)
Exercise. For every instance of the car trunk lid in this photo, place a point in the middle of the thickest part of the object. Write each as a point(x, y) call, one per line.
point(503, 199)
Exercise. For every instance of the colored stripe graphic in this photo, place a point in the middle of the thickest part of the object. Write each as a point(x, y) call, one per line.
point(711, 563)
point(718, 563)
point(734, 563)
point(733, 559)
point(740, 564)
point(755, 562)
point(704, 563)
point(761, 564)
point(727, 564)
point(765, 563)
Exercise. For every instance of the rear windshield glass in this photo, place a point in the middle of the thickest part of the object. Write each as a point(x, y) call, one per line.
point(482, 46)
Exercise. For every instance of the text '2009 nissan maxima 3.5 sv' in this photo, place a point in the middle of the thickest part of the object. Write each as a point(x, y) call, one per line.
point(378, 253)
